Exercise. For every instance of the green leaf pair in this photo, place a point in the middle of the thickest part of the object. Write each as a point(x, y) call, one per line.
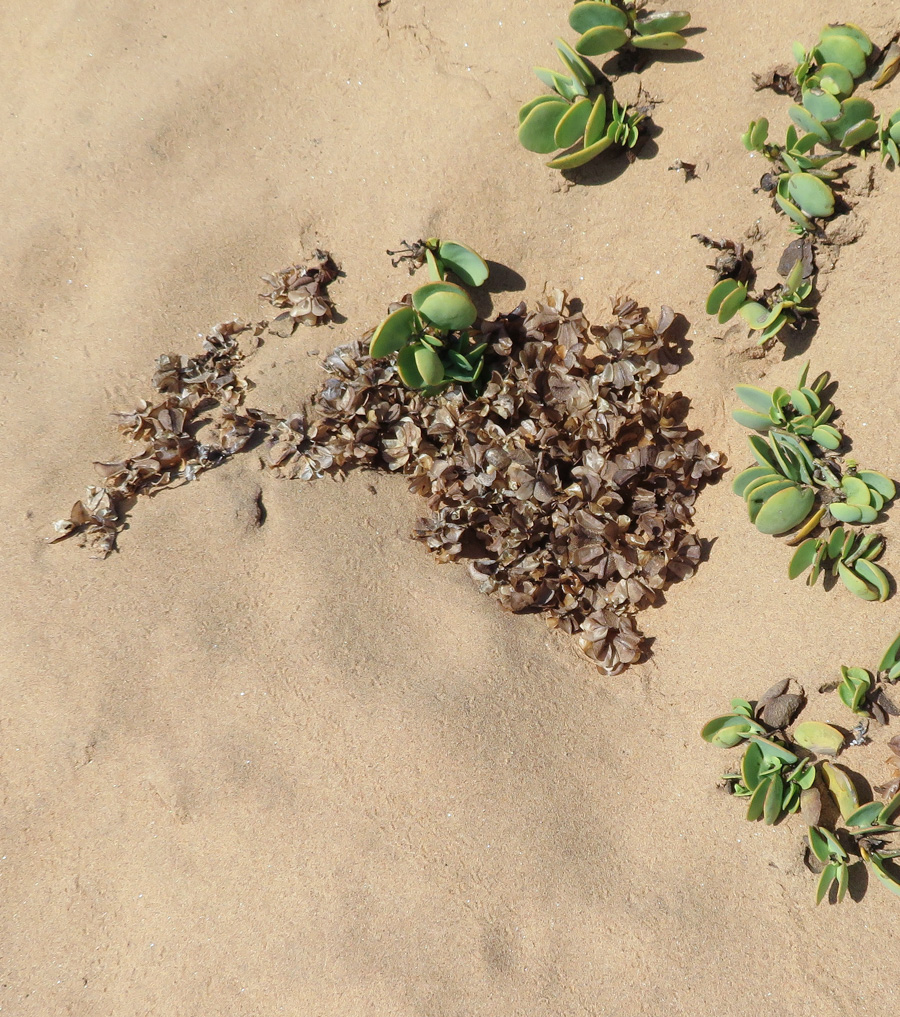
point(847, 123)
point(849, 556)
point(827, 848)
point(786, 303)
point(835, 61)
point(801, 411)
point(855, 686)
point(889, 137)
point(582, 127)
point(431, 337)
point(605, 27)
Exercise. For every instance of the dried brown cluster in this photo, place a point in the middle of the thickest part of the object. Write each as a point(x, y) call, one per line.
point(173, 452)
point(303, 291)
point(568, 485)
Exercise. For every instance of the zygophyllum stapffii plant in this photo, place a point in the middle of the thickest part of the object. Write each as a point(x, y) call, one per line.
point(800, 482)
point(431, 336)
point(827, 114)
point(789, 767)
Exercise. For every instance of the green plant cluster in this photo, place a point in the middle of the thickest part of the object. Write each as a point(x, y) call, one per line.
point(828, 114)
point(781, 774)
point(605, 27)
point(432, 336)
point(862, 692)
point(583, 118)
point(767, 315)
point(799, 482)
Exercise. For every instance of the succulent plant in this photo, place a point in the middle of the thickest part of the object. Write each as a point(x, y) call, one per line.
point(772, 777)
point(605, 27)
point(828, 850)
point(849, 556)
point(585, 127)
point(889, 137)
point(802, 411)
point(431, 335)
point(837, 59)
point(863, 692)
point(767, 315)
point(868, 830)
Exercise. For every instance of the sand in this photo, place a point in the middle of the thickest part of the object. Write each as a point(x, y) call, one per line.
point(300, 768)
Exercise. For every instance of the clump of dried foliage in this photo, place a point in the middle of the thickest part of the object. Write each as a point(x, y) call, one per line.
point(303, 291)
point(188, 388)
point(567, 486)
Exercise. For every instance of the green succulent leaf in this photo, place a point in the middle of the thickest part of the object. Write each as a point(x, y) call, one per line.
point(856, 490)
point(844, 512)
point(758, 800)
point(755, 421)
point(818, 845)
point(842, 789)
point(661, 21)
point(839, 75)
point(773, 751)
point(722, 289)
point(827, 437)
point(808, 123)
point(851, 31)
point(429, 365)
point(843, 50)
point(811, 194)
point(531, 104)
point(821, 104)
point(393, 333)
point(537, 130)
point(660, 41)
point(732, 303)
point(891, 655)
point(881, 872)
point(595, 129)
point(571, 160)
point(585, 16)
point(856, 584)
point(774, 799)
point(573, 62)
point(762, 452)
point(567, 87)
point(829, 875)
point(785, 509)
point(865, 815)
point(869, 572)
point(749, 475)
point(729, 730)
point(571, 128)
point(465, 263)
point(600, 40)
point(803, 558)
point(859, 133)
point(756, 398)
point(445, 305)
point(407, 368)
point(853, 111)
point(823, 739)
point(878, 482)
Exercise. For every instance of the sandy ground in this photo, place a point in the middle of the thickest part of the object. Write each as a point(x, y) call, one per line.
point(301, 768)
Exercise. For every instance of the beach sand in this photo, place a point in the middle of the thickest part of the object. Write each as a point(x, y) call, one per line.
point(300, 767)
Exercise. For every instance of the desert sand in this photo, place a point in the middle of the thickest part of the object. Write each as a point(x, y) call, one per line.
point(299, 767)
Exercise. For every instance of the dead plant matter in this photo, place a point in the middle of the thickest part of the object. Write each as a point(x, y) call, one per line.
point(303, 291)
point(568, 485)
point(187, 387)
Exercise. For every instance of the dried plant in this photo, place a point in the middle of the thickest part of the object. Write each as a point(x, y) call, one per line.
point(172, 452)
point(303, 291)
point(568, 485)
